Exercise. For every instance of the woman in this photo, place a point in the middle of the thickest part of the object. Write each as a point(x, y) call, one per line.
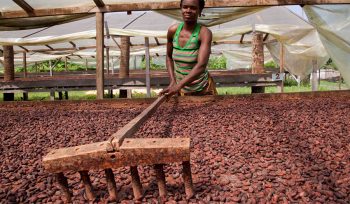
point(188, 50)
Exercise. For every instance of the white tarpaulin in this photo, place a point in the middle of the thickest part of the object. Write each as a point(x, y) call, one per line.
point(241, 57)
point(215, 16)
point(333, 25)
point(301, 41)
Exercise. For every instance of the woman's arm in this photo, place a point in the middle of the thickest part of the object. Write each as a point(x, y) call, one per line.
point(169, 58)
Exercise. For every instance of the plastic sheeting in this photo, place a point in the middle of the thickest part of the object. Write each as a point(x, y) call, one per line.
point(241, 57)
point(39, 22)
point(301, 47)
point(217, 35)
point(333, 24)
point(215, 16)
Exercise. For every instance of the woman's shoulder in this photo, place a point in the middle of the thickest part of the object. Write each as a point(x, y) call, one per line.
point(205, 30)
point(172, 29)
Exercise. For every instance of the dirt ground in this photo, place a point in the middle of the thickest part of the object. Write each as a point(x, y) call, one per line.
point(290, 148)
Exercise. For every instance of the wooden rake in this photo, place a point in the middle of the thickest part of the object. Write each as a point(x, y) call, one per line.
point(120, 151)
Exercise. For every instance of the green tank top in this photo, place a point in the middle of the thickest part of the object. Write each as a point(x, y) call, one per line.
point(186, 57)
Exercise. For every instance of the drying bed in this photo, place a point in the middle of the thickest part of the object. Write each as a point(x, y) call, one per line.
point(263, 148)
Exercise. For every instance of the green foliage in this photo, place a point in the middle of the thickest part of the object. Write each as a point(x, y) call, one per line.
point(289, 81)
point(45, 67)
point(271, 64)
point(153, 65)
point(217, 63)
point(330, 65)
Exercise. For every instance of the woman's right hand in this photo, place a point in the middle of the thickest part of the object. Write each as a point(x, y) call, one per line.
point(166, 90)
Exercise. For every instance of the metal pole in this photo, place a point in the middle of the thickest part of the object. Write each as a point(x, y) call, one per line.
point(25, 64)
point(50, 64)
point(148, 78)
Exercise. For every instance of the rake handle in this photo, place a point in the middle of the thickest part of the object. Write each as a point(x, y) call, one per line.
point(116, 140)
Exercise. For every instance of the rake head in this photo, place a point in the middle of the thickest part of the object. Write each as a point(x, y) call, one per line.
point(132, 152)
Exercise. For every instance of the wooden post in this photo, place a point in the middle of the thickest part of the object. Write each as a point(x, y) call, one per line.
point(258, 53)
point(258, 59)
point(107, 56)
point(99, 55)
point(124, 64)
point(314, 81)
point(25, 64)
point(9, 70)
point(124, 57)
point(148, 78)
point(280, 88)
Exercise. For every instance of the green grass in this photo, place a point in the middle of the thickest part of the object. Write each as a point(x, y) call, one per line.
point(84, 95)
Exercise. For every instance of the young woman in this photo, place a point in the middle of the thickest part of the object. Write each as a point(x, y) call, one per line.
point(188, 50)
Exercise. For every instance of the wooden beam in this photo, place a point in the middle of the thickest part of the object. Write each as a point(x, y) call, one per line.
point(241, 40)
point(134, 152)
point(51, 48)
point(265, 37)
point(73, 44)
point(115, 41)
point(144, 6)
point(99, 55)
point(157, 41)
point(25, 6)
point(25, 49)
point(99, 3)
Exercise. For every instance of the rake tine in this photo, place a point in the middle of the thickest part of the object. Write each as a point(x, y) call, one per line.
point(187, 177)
point(112, 188)
point(136, 183)
point(63, 184)
point(160, 180)
point(88, 186)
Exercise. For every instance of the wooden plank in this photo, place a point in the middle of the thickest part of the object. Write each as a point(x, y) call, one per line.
point(116, 140)
point(25, 6)
point(144, 6)
point(133, 152)
point(100, 55)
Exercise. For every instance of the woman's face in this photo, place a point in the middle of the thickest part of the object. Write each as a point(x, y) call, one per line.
point(190, 10)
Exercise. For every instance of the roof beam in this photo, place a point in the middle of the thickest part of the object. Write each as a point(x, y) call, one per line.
point(265, 37)
point(241, 40)
point(157, 41)
point(99, 3)
point(51, 48)
point(162, 5)
point(73, 44)
point(25, 6)
point(25, 49)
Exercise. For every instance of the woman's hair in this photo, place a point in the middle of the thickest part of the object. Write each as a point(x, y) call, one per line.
point(201, 4)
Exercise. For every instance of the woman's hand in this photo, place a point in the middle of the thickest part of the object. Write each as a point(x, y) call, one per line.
point(172, 89)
